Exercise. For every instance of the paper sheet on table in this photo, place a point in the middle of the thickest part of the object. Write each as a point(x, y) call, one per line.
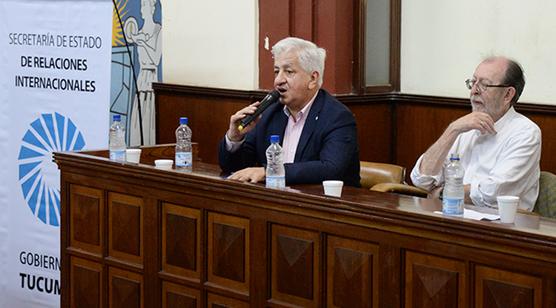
point(472, 214)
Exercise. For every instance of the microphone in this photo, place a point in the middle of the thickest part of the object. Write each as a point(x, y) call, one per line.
point(268, 100)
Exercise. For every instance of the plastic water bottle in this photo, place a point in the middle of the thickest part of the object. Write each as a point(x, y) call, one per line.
point(275, 172)
point(184, 154)
point(453, 194)
point(116, 140)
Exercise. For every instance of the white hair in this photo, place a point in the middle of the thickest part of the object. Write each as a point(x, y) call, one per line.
point(311, 57)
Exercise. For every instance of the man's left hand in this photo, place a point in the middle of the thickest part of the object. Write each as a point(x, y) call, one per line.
point(252, 175)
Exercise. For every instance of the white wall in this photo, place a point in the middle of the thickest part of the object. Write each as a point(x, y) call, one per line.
point(214, 43)
point(443, 41)
point(210, 43)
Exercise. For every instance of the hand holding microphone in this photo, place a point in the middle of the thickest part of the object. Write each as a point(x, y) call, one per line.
point(241, 119)
point(268, 100)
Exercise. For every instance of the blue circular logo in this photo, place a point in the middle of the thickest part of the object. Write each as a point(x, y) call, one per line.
point(38, 174)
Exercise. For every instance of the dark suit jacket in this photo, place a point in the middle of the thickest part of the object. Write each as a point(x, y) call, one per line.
point(327, 149)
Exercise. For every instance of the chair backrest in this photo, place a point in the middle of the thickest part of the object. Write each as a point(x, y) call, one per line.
point(546, 202)
point(374, 173)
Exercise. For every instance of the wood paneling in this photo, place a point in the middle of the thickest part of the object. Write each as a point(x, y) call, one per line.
point(87, 287)
point(295, 260)
point(498, 288)
point(217, 301)
point(228, 252)
point(432, 281)
point(374, 130)
point(181, 241)
point(208, 110)
point(418, 127)
point(86, 210)
point(392, 127)
point(125, 228)
point(125, 289)
point(352, 273)
point(211, 242)
point(174, 295)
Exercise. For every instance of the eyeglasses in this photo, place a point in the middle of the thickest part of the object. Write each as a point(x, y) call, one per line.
point(481, 86)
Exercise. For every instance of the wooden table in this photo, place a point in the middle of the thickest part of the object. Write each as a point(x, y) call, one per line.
point(136, 236)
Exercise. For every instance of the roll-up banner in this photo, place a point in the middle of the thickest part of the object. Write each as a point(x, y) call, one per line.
point(55, 59)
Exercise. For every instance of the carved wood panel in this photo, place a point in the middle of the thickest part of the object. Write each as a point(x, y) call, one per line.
point(181, 241)
point(351, 273)
point(125, 289)
point(295, 266)
point(495, 288)
point(228, 252)
point(217, 301)
point(86, 287)
point(86, 225)
point(174, 295)
point(432, 281)
point(125, 227)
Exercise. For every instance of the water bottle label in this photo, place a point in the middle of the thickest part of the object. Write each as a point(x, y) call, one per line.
point(452, 206)
point(117, 155)
point(184, 159)
point(275, 182)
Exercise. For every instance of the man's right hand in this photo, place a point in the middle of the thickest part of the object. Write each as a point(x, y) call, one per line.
point(233, 133)
point(434, 157)
point(475, 120)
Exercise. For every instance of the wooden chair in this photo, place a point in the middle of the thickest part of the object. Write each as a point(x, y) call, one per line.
point(387, 178)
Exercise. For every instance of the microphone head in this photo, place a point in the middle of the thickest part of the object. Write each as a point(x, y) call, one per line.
point(269, 99)
point(275, 94)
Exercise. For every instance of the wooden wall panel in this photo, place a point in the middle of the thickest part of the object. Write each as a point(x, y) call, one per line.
point(392, 128)
point(217, 301)
point(86, 211)
point(432, 281)
point(417, 127)
point(181, 241)
point(125, 228)
point(125, 289)
point(208, 110)
point(86, 290)
point(352, 273)
point(498, 288)
point(228, 252)
point(174, 295)
point(374, 130)
point(295, 261)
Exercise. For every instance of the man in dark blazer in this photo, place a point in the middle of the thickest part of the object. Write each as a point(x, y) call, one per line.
point(318, 133)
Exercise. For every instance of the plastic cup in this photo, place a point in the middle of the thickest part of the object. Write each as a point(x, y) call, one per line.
point(133, 155)
point(165, 164)
point(333, 188)
point(507, 208)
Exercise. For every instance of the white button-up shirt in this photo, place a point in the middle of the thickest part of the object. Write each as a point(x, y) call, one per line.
point(506, 163)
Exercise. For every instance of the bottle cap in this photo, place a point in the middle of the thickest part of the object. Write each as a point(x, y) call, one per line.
point(275, 139)
point(116, 117)
point(183, 120)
